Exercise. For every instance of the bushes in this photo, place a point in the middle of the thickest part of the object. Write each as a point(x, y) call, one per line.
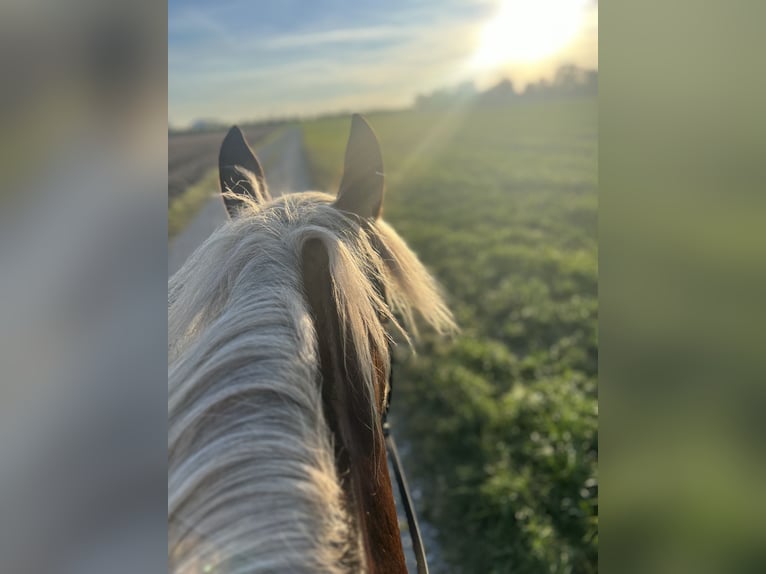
point(507, 467)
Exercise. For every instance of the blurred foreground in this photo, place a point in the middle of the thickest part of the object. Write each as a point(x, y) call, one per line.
point(83, 242)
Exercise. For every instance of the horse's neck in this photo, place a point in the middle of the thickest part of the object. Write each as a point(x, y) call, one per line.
point(252, 478)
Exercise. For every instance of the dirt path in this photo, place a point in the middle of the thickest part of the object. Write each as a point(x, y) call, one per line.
point(286, 166)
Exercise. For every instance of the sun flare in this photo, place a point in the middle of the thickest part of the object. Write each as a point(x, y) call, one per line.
point(527, 31)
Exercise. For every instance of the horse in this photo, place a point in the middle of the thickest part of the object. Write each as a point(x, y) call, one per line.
point(279, 334)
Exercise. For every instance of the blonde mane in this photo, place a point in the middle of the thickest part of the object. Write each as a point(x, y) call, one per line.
point(252, 481)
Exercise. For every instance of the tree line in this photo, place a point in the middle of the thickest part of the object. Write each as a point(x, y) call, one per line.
point(568, 81)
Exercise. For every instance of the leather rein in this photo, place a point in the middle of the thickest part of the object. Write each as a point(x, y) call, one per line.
point(401, 480)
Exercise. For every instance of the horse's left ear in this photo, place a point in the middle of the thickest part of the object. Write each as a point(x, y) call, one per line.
point(361, 187)
point(239, 171)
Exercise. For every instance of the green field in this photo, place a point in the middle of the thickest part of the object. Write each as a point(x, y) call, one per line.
point(501, 205)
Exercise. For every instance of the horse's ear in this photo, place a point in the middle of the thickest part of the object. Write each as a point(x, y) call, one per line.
point(361, 187)
point(239, 171)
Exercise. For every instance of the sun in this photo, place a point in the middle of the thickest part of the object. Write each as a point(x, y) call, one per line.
point(528, 31)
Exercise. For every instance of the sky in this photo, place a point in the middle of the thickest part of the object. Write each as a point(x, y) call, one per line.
point(240, 60)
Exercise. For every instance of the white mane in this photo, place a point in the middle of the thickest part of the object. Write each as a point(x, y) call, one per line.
point(252, 482)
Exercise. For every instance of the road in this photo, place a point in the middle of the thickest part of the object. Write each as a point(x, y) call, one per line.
point(284, 161)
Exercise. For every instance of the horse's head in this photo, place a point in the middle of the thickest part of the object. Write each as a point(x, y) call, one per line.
point(346, 265)
point(327, 277)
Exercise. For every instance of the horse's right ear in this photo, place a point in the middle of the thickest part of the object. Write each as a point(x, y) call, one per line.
point(240, 172)
point(361, 187)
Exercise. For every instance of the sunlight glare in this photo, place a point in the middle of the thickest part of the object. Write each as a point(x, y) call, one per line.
point(526, 31)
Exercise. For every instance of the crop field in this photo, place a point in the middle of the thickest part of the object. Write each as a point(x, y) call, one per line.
point(502, 421)
point(192, 171)
point(191, 155)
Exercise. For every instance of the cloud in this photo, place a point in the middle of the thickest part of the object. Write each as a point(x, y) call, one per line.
point(337, 36)
point(328, 70)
